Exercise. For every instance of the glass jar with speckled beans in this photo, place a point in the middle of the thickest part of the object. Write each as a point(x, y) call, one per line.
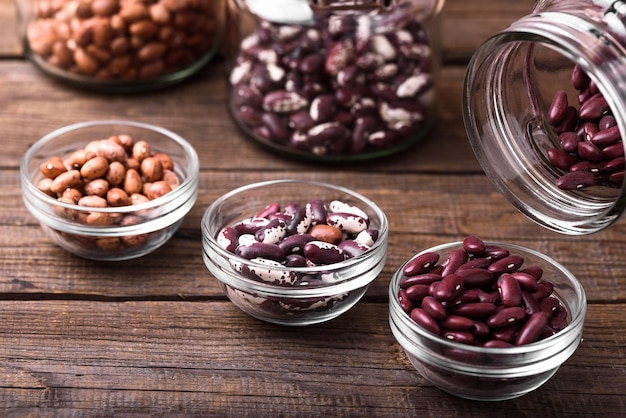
point(334, 80)
point(544, 108)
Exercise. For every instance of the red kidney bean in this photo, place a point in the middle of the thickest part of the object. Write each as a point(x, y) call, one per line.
point(606, 137)
point(497, 344)
point(589, 152)
point(577, 180)
point(510, 290)
point(480, 329)
point(526, 281)
point(530, 303)
point(478, 306)
point(473, 244)
point(534, 270)
point(421, 317)
point(456, 322)
point(420, 264)
point(475, 277)
point(569, 121)
point(418, 292)
point(475, 263)
point(507, 264)
point(614, 165)
point(569, 141)
point(580, 80)
point(449, 287)
point(493, 252)
point(507, 333)
point(593, 108)
point(613, 151)
point(556, 112)
point(531, 330)
point(557, 324)
point(561, 159)
point(405, 301)
point(475, 310)
point(549, 304)
point(433, 307)
point(459, 336)
point(455, 259)
point(425, 278)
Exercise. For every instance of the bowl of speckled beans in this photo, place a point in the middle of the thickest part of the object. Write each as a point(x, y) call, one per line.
point(110, 190)
point(294, 252)
point(486, 320)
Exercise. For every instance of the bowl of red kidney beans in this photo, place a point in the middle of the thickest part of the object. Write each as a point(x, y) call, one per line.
point(294, 252)
point(486, 320)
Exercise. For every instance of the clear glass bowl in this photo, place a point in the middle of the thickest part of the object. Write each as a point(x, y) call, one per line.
point(153, 222)
point(343, 283)
point(119, 46)
point(491, 374)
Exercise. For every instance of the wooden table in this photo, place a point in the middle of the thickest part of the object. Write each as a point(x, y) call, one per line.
point(156, 336)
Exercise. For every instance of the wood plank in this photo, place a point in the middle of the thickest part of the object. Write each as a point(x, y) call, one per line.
point(31, 107)
point(181, 358)
point(423, 210)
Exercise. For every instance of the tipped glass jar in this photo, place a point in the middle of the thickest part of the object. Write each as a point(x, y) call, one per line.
point(544, 108)
point(120, 45)
point(334, 80)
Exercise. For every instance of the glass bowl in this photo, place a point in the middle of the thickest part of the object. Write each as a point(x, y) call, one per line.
point(113, 232)
point(282, 293)
point(491, 373)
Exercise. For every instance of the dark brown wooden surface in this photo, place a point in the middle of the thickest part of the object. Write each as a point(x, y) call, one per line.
point(157, 337)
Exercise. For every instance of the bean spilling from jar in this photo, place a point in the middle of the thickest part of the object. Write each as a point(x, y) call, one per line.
point(122, 40)
point(297, 235)
point(481, 295)
point(339, 87)
point(113, 172)
point(591, 149)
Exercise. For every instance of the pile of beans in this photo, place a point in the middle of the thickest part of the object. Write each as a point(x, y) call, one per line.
point(313, 234)
point(480, 295)
point(591, 148)
point(112, 172)
point(122, 39)
point(339, 86)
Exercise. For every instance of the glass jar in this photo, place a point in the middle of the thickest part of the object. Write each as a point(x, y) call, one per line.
point(119, 45)
point(334, 80)
point(544, 105)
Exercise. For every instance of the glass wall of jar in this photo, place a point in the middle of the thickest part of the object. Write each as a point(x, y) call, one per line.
point(334, 80)
point(545, 111)
point(120, 45)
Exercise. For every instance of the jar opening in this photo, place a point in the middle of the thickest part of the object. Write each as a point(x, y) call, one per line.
point(510, 90)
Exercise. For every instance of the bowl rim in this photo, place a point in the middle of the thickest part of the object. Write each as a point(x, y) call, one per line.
point(188, 184)
point(574, 326)
point(240, 282)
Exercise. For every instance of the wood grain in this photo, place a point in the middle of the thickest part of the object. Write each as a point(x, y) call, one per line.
point(157, 337)
point(223, 367)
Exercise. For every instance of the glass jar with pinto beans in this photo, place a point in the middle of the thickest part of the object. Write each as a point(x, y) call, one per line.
point(121, 45)
point(545, 111)
point(334, 80)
